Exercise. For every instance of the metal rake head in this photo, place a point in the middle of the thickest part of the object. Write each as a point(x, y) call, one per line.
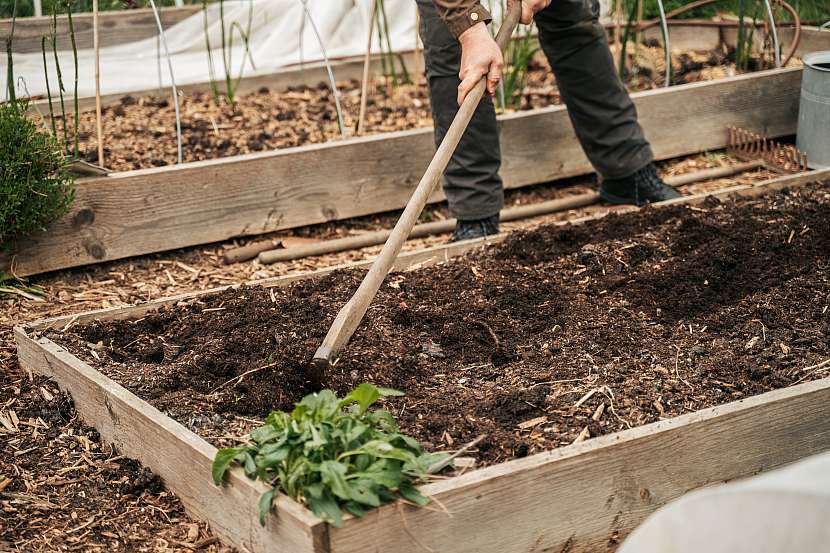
point(749, 145)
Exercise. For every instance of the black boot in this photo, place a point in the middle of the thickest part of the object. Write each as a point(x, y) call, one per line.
point(467, 230)
point(643, 187)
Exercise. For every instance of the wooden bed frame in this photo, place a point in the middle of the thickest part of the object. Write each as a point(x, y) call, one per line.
point(151, 210)
point(581, 497)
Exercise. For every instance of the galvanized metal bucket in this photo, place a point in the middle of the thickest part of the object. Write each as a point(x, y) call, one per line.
point(814, 110)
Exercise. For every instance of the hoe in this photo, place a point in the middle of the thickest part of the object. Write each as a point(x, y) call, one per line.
point(350, 316)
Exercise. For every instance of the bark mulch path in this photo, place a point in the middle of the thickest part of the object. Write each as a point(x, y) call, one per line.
point(557, 333)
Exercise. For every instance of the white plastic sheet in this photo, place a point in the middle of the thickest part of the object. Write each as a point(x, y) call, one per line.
point(783, 511)
point(280, 36)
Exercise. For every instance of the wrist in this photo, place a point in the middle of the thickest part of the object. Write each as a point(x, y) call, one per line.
point(474, 34)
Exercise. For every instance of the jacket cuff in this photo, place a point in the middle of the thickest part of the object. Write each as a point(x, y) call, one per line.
point(468, 18)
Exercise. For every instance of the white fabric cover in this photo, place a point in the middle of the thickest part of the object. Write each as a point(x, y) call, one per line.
point(280, 36)
point(783, 511)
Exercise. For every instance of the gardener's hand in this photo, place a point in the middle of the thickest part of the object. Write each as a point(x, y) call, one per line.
point(531, 8)
point(480, 56)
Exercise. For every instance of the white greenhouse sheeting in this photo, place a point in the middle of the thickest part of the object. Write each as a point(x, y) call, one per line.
point(784, 511)
point(280, 36)
point(280, 33)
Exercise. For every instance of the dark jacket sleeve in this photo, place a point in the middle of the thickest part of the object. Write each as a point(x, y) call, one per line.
point(460, 15)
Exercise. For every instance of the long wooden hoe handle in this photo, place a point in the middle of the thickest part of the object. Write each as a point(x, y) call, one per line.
point(350, 316)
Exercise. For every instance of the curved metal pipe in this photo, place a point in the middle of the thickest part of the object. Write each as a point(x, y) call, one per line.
point(334, 89)
point(172, 80)
point(666, 45)
point(700, 3)
point(775, 44)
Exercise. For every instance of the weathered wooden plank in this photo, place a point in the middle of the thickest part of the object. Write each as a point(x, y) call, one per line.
point(114, 27)
point(812, 39)
point(179, 456)
point(153, 210)
point(587, 496)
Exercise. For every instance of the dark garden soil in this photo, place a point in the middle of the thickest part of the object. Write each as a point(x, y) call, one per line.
point(555, 333)
point(63, 489)
point(140, 133)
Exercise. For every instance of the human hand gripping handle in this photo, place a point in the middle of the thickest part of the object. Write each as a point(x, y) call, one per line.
point(481, 56)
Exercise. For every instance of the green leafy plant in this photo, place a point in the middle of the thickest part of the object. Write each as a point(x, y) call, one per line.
point(35, 186)
point(226, 37)
point(27, 7)
point(388, 58)
point(520, 52)
point(333, 454)
point(808, 10)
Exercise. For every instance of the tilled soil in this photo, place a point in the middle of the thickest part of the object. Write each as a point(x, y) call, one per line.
point(556, 333)
point(140, 132)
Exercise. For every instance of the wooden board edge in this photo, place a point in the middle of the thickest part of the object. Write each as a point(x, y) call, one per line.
point(370, 140)
point(171, 451)
point(609, 484)
point(620, 439)
point(417, 259)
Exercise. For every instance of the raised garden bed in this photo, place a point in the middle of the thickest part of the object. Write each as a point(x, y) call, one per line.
point(140, 130)
point(683, 312)
point(150, 210)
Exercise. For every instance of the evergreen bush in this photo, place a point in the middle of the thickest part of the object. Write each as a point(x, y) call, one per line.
point(35, 185)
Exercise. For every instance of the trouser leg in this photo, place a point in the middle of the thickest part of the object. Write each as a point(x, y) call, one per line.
point(602, 113)
point(471, 182)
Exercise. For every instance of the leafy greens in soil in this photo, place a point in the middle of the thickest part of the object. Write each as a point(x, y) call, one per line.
point(333, 454)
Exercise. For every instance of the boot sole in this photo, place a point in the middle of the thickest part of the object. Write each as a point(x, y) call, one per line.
point(620, 200)
point(617, 200)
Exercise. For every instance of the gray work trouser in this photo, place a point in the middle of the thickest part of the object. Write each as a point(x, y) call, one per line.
point(600, 109)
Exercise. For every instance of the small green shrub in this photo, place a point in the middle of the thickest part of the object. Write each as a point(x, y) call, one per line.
point(35, 186)
point(519, 55)
point(333, 454)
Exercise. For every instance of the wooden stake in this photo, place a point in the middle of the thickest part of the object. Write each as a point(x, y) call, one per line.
point(618, 20)
point(97, 46)
point(367, 60)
